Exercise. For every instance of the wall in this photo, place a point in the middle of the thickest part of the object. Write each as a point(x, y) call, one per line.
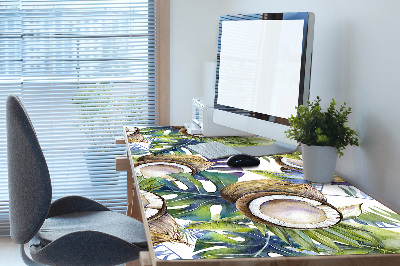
point(194, 41)
point(355, 60)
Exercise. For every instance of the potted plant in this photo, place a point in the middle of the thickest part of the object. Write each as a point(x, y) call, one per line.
point(323, 136)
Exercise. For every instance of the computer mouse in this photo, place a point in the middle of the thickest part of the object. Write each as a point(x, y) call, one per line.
point(243, 160)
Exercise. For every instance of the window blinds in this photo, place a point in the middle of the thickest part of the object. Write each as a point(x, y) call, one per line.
point(82, 69)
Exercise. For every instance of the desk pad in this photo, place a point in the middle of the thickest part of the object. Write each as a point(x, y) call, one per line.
point(200, 209)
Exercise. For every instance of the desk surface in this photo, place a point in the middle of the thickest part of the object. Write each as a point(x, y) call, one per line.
point(189, 220)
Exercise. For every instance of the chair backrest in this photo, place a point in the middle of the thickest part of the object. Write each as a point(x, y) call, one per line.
point(29, 181)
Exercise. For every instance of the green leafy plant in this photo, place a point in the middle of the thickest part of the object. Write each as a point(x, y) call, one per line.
point(312, 126)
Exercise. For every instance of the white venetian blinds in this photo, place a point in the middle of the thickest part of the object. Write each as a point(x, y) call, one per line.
point(82, 69)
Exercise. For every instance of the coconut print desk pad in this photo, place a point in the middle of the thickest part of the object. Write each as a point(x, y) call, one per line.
point(201, 209)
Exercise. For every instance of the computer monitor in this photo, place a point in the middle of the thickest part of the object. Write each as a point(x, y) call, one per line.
point(263, 73)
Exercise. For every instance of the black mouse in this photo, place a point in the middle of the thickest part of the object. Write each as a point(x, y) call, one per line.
point(242, 160)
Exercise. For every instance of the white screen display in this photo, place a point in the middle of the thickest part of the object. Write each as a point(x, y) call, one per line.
point(260, 63)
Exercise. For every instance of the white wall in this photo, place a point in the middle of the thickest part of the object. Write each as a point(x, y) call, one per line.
point(356, 60)
point(194, 41)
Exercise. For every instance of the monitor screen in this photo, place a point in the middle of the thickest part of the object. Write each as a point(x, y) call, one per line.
point(263, 71)
point(260, 64)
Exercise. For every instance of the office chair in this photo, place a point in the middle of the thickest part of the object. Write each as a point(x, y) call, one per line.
point(70, 231)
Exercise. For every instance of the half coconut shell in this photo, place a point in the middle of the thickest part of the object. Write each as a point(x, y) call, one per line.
point(288, 210)
point(237, 190)
point(154, 205)
point(162, 169)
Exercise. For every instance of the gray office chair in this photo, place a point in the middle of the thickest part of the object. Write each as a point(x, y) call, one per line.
point(70, 231)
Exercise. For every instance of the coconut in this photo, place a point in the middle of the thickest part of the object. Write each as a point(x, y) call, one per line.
point(237, 190)
point(161, 169)
point(288, 210)
point(153, 204)
point(289, 163)
point(165, 229)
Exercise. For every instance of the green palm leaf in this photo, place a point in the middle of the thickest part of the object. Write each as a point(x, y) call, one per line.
point(374, 216)
point(194, 203)
point(281, 233)
point(241, 245)
point(272, 175)
point(344, 238)
point(338, 237)
point(362, 236)
point(152, 183)
point(349, 191)
point(301, 238)
point(243, 141)
point(235, 224)
point(321, 238)
point(388, 240)
point(391, 215)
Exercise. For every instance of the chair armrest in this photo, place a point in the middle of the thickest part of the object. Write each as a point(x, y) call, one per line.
point(72, 204)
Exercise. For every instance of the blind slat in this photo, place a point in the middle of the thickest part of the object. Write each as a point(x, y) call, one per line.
point(83, 69)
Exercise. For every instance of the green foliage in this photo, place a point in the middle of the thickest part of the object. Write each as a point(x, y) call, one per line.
point(243, 141)
point(238, 236)
point(312, 126)
point(165, 140)
point(150, 184)
point(295, 155)
point(374, 216)
point(272, 175)
point(349, 191)
point(194, 202)
point(238, 223)
point(242, 244)
point(236, 141)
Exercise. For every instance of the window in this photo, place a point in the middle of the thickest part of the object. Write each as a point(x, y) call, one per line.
point(82, 69)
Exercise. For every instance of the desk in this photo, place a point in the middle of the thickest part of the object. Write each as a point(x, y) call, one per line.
point(188, 222)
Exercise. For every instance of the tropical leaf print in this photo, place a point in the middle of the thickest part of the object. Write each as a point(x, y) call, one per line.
point(272, 175)
point(169, 140)
point(243, 141)
point(192, 201)
point(152, 183)
point(239, 223)
point(295, 155)
point(166, 140)
point(344, 238)
point(230, 234)
point(377, 216)
point(241, 244)
point(349, 191)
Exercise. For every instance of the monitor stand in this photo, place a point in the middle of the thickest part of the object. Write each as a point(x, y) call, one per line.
point(276, 148)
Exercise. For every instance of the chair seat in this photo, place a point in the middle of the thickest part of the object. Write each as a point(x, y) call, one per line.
point(107, 222)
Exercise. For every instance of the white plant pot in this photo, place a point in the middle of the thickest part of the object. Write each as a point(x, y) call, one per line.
point(319, 163)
